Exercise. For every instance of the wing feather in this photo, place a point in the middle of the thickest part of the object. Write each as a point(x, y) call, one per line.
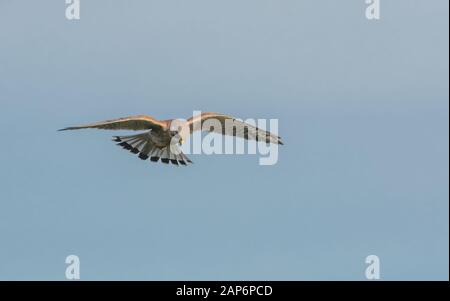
point(238, 128)
point(135, 123)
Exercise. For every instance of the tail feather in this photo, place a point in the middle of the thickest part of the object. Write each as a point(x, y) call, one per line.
point(142, 145)
point(165, 156)
point(145, 150)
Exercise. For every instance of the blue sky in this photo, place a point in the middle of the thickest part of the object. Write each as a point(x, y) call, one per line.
point(362, 108)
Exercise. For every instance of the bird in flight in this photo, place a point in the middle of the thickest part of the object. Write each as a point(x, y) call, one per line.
point(162, 137)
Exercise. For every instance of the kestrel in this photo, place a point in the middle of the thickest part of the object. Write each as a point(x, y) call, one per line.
point(162, 135)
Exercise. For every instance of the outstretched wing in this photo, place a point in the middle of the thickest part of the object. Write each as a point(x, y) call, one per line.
point(135, 123)
point(230, 126)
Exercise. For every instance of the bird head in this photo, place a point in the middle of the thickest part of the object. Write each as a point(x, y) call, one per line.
point(179, 129)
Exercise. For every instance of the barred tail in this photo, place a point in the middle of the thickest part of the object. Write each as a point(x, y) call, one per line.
point(142, 144)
